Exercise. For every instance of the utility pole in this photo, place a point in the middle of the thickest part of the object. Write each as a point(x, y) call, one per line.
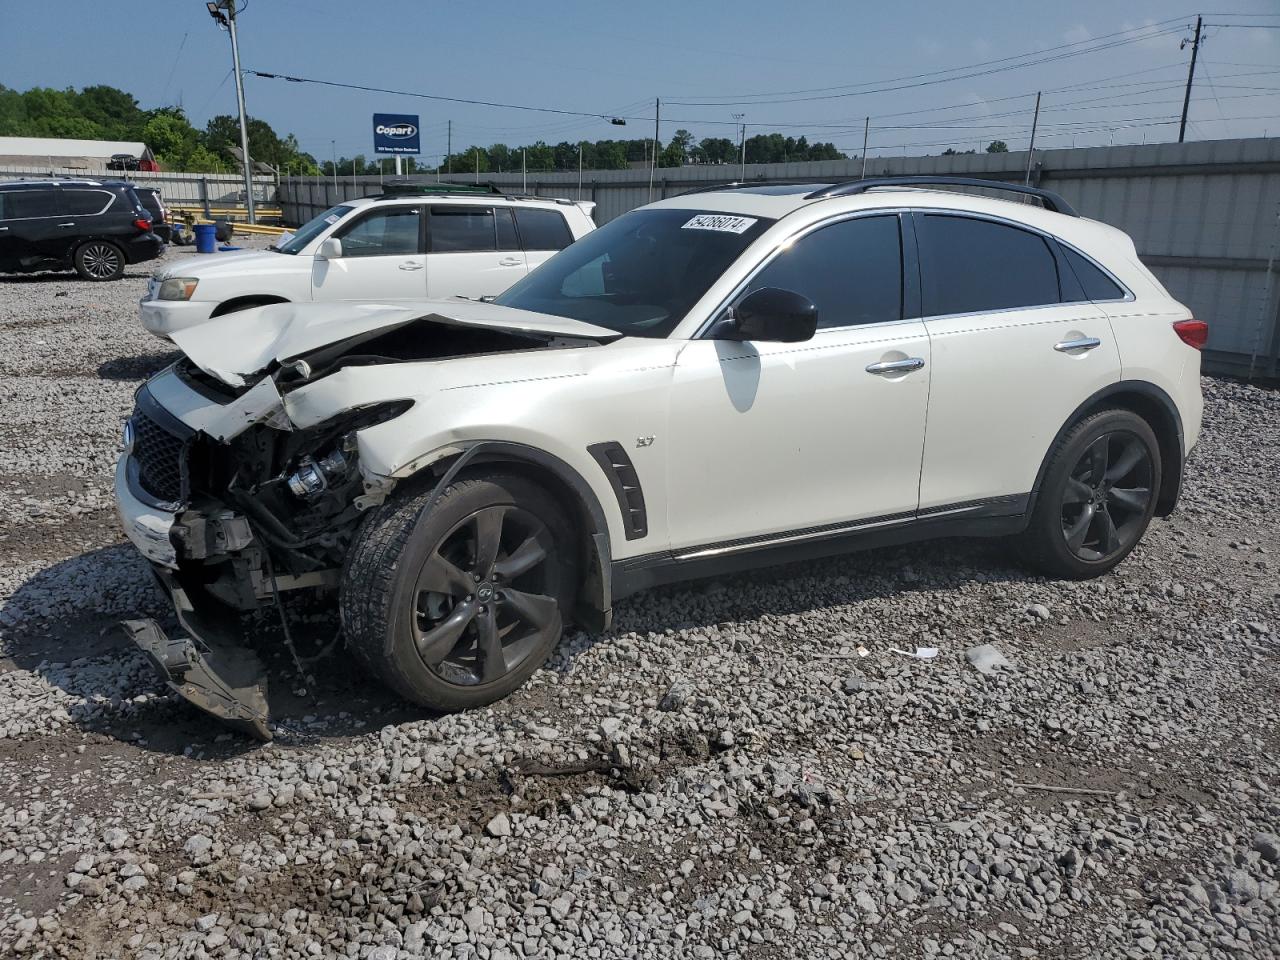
point(448, 150)
point(333, 149)
point(224, 12)
point(477, 166)
point(1031, 150)
point(653, 162)
point(524, 170)
point(579, 169)
point(866, 129)
point(1191, 76)
point(742, 141)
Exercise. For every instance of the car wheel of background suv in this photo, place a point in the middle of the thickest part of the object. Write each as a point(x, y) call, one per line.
point(99, 260)
point(1097, 498)
point(457, 608)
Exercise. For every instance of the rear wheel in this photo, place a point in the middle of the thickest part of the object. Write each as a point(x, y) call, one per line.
point(458, 607)
point(1097, 497)
point(99, 260)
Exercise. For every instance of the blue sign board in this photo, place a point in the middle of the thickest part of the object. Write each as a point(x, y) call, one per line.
point(395, 133)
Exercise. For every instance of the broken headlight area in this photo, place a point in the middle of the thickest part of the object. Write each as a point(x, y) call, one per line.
point(273, 509)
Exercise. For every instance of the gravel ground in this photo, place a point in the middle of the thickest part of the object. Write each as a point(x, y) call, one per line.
point(721, 775)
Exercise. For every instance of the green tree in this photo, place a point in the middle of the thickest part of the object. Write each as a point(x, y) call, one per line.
point(997, 146)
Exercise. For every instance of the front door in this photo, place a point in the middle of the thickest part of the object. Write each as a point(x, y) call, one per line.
point(1016, 348)
point(777, 440)
point(474, 251)
point(383, 258)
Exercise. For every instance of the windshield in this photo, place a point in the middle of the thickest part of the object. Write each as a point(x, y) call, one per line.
point(638, 274)
point(312, 229)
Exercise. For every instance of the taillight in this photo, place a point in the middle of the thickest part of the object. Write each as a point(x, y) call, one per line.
point(1194, 333)
point(142, 224)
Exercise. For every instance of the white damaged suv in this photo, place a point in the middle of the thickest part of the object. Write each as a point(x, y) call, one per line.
point(721, 380)
point(413, 241)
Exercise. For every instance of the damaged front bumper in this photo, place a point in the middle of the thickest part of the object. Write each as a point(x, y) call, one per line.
point(209, 669)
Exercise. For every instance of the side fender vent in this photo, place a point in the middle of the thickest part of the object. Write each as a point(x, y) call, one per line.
point(625, 481)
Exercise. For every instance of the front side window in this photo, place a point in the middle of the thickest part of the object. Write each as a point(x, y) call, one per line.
point(21, 204)
point(82, 203)
point(312, 229)
point(972, 266)
point(462, 229)
point(639, 274)
point(389, 232)
point(851, 270)
point(543, 229)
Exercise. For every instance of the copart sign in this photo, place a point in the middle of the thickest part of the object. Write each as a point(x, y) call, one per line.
point(395, 133)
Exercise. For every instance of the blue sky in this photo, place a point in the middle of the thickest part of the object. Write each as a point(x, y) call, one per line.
point(614, 58)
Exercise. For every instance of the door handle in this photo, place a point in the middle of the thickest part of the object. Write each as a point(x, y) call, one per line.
point(72, 224)
point(896, 366)
point(1081, 343)
point(410, 265)
point(3, 229)
point(510, 262)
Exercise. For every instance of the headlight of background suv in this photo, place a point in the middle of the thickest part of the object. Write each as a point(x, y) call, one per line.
point(178, 288)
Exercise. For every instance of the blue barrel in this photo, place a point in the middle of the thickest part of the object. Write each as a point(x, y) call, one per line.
point(206, 238)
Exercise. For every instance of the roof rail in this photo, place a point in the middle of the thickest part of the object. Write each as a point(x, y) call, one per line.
point(851, 188)
point(744, 184)
point(407, 188)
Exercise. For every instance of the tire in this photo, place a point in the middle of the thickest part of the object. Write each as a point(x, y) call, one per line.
point(437, 647)
point(99, 260)
point(1098, 496)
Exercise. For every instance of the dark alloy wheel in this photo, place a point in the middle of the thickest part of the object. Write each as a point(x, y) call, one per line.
point(100, 260)
point(1096, 498)
point(456, 606)
point(1105, 500)
point(485, 597)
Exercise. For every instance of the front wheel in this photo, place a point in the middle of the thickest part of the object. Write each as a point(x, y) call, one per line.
point(457, 607)
point(99, 260)
point(1097, 497)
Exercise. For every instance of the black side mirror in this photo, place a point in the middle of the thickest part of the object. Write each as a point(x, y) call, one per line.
point(770, 314)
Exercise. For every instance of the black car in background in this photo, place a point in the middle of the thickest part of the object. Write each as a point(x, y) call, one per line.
point(96, 227)
point(154, 204)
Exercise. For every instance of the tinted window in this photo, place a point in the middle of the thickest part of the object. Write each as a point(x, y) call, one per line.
point(462, 229)
point(851, 270)
point(392, 231)
point(29, 203)
point(507, 239)
point(80, 203)
point(1097, 285)
point(543, 229)
point(972, 265)
point(638, 274)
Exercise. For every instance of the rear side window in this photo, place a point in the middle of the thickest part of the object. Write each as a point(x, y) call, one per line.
point(1097, 285)
point(19, 204)
point(82, 203)
point(851, 270)
point(543, 229)
point(462, 229)
point(972, 266)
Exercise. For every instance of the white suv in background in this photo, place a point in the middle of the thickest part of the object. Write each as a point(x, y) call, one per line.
point(412, 242)
point(721, 380)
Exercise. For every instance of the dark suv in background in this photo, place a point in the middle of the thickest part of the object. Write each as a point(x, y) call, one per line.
point(151, 200)
point(96, 227)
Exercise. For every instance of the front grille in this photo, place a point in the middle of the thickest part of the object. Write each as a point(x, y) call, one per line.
point(160, 457)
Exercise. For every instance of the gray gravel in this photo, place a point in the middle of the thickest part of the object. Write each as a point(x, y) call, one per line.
point(723, 775)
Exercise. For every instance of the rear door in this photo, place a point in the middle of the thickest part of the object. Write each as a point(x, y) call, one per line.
point(543, 233)
point(800, 440)
point(383, 257)
point(474, 251)
point(32, 225)
point(1012, 358)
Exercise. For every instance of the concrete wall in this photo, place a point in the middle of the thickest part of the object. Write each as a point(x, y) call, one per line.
point(1205, 216)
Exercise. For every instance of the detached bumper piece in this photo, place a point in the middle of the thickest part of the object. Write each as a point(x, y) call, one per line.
point(208, 669)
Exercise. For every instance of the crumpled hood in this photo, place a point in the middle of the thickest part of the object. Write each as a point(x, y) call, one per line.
point(239, 344)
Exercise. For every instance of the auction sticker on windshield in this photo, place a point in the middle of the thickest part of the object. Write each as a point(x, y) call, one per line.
point(720, 223)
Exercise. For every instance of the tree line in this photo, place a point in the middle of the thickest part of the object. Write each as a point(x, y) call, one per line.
point(106, 113)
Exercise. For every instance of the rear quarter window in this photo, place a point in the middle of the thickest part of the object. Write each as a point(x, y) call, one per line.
point(1096, 284)
point(83, 203)
point(543, 229)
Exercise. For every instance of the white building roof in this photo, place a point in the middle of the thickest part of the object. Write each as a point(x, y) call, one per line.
point(46, 147)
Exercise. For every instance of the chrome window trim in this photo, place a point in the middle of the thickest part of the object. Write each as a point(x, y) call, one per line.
point(787, 241)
